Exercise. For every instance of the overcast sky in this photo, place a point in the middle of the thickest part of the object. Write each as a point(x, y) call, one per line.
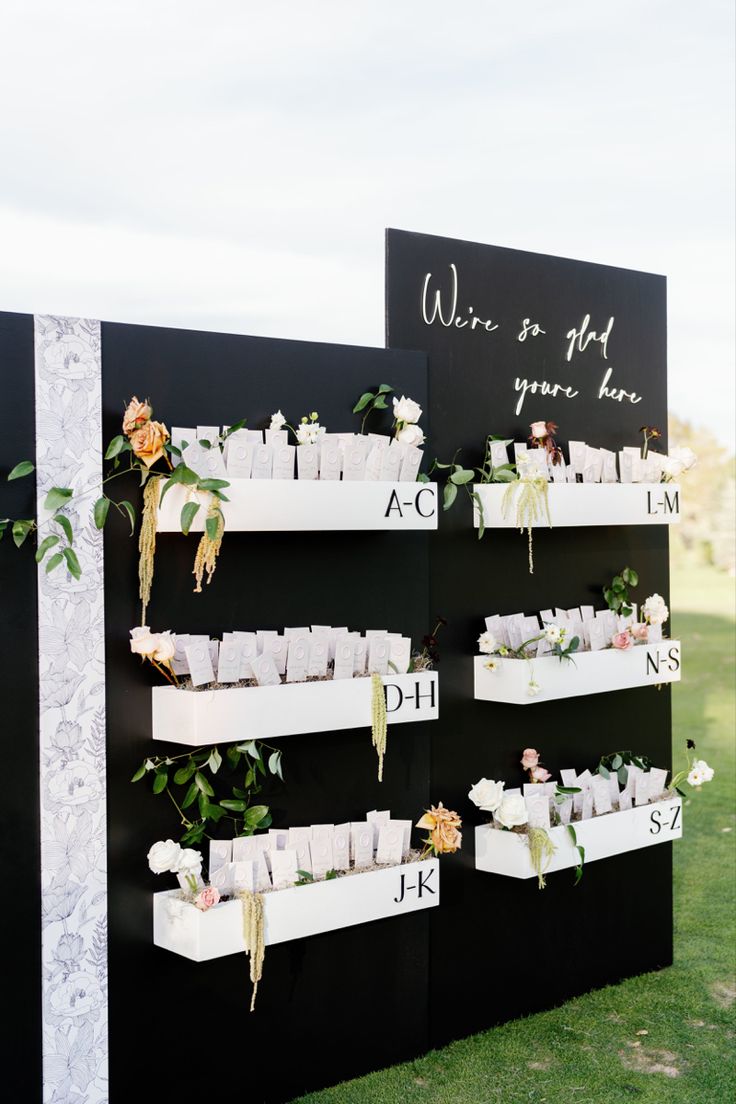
point(232, 165)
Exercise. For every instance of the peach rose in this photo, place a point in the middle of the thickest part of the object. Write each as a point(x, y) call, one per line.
point(136, 415)
point(623, 641)
point(206, 898)
point(148, 442)
point(540, 774)
point(443, 825)
point(529, 758)
point(640, 632)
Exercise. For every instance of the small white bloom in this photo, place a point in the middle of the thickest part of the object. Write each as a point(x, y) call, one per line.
point(533, 689)
point(655, 610)
point(309, 433)
point(410, 435)
point(511, 812)
point(164, 857)
point(148, 765)
point(487, 643)
point(703, 769)
point(189, 861)
point(554, 634)
point(487, 794)
point(695, 777)
point(492, 665)
point(679, 460)
point(406, 410)
point(278, 421)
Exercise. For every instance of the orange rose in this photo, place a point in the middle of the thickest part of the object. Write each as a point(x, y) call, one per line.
point(443, 824)
point(148, 442)
point(136, 415)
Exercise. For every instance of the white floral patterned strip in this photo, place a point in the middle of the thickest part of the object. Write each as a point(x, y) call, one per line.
point(72, 721)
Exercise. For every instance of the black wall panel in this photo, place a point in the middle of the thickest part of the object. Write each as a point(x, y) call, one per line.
point(500, 948)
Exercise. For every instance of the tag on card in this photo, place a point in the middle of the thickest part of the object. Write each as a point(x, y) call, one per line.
point(283, 462)
point(361, 843)
point(228, 661)
point(307, 461)
point(200, 664)
point(360, 654)
point(390, 843)
point(264, 671)
point(278, 838)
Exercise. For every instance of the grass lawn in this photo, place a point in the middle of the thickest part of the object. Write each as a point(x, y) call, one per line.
point(664, 1038)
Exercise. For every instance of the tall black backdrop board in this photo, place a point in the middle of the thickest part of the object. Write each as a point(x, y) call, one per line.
point(321, 997)
point(499, 947)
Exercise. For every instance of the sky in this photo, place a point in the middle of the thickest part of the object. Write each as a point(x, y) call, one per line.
point(232, 166)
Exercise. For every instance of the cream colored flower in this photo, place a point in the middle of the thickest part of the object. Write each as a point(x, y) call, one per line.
point(143, 641)
point(407, 411)
point(443, 824)
point(166, 647)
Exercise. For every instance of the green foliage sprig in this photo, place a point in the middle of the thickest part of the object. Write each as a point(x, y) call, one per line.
point(617, 594)
point(189, 781)
point(61, 538)
point(370, 401)
point(618, 762)
point(458, 476)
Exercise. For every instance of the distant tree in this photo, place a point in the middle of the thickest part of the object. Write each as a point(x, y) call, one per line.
point(706, 532)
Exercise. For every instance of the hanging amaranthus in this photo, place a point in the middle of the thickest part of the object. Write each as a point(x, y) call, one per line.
point(209, 545)
point(254, 937)
point(541, 850)
point(147, 541)
point(532, 504)
point(378, 720)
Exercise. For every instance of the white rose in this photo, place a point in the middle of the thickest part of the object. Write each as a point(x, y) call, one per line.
point(554, 634)
point(655, 610)
point(166, 647)
point(143, 641)
point(681, 459)
point(704, 770)
point(164, 856)
point(406, 410)
point(278, 421)
point(410, 435)
point(487, 643)
point(309, 433)
point(539, 430)
point(511, 812)
point(189, 861)
point(487, 794)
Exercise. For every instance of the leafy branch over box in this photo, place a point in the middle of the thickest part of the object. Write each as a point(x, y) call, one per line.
point(190, 781)
point(617, 594)
point(458, 476)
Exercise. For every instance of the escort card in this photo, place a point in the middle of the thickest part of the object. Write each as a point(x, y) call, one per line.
point(654, 636)
point(264, 671)
point(341, 847)
point(390, 843)
point(180, 438)
point(587, 613)
point(400, 653)
point(283, 868)
point(361, 843)
point(601, 795)
point(406, 826)
point(360, 654)
point(379, 440)
point(624, 800)
point(625, 467)
point(354, 463)
point(307, 461)
point(321, 850)
point(318, 653)
point(277, 838)
point(657, 782)
point(559, 470)
point(391, 463)
point(537, 807)
point(587, 809)
point(262, 635)
point(221, 852)
point(344, 658)
point(283, 461)
point(228, 662)
point(248, 651)
point(641, 788)
point(538, 461)
point(222, 879)
point(330, 460)
point(298, 659)
point(208, 434)
point(276, 438)
point(520, 449)
point(609, 473)
point(200, 664)
point(376, 819)
point(499, 454)
point(251, 848)
point(378, 655)
point(300, 839)
point(569, 778)
point(577, 456)
point(244, 875)
point(564, 810)
point(277, 647)
point(373, 464)
point(410, 464)
point(240, 459)
point(179, 663)
point(262, 467)
point(593, 465)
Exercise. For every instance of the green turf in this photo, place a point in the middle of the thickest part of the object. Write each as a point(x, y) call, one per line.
point(664, 1038)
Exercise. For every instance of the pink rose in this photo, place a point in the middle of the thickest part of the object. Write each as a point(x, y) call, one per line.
point(539, 774)
point(539, 430)
point(206, 898)
point(640, 632)
point(623, 641)
point(529, 758)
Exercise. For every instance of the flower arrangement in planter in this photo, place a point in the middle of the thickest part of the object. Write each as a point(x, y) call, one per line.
point(294, 882)
point(572, 636)
point(318, 678)
point(625, 803)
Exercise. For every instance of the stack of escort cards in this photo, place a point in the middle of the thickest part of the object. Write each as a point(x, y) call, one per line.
point(269, 658)
point(586, 464)
point(595, 629)
point(281, 857)
point(598, 795)
point(267, 454)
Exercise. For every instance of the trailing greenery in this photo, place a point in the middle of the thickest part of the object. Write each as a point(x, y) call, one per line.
point(617, 594)
point(458, 476)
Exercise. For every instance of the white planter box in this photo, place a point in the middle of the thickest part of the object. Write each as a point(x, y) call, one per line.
point(588, 673)
point(263, 712)
point(587, 504)
point(295, 505)
point(498, 852)
point(298, 912)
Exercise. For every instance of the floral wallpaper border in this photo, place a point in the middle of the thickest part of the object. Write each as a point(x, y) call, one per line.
point(71, 667)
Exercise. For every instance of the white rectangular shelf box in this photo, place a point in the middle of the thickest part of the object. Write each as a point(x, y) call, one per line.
point(586, 504)
point(587, 673)
point(499, 852)
point(298, 505)
point(298, 912)
point(263, 712)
